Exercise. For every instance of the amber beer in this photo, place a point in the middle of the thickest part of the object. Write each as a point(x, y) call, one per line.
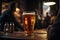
point(29, 21)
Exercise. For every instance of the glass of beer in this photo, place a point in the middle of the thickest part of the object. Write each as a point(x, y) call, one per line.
point(29, 22)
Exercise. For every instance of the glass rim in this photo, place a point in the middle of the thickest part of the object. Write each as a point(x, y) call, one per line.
point(31, 13)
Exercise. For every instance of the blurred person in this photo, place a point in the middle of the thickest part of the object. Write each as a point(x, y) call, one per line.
point(54, 30)
point(39, 21)
point(53, 17)
point(43, 22)
point(47, 20)
point(12, 15)
point(4, 6)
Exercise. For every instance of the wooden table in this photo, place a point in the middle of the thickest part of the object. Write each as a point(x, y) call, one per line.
point(19, 36)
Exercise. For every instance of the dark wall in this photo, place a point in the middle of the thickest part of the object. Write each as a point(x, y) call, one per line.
point(7, 0)
point(31, 4)
point(0, 6)
point(57, 6)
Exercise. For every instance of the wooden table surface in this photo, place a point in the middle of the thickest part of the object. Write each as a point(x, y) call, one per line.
point(21, 36)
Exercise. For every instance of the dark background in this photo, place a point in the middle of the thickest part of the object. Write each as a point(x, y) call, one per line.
point(31, 5)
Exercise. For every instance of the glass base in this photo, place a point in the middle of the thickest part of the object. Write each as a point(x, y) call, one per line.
point(29, 34)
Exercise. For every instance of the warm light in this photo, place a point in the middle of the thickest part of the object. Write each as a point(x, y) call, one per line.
point(26, 21)
point(49, 3)
point(17, 12)
point(17, 9)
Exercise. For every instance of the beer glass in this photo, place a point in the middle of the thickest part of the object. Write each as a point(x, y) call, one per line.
point(29, 22)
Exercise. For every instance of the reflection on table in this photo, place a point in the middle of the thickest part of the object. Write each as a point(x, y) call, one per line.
point(38, 35)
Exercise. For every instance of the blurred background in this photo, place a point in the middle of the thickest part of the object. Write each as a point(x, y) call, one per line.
point(46, 11)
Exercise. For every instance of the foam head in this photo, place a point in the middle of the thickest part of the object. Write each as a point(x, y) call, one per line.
point(29, 13)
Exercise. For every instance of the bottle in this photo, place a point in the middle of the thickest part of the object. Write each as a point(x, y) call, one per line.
point(11, 27)
point(6, 27)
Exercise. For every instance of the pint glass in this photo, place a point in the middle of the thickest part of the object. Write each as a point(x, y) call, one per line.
point(29, 22)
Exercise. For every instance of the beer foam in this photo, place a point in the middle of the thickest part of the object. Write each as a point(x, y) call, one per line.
point(30, 13)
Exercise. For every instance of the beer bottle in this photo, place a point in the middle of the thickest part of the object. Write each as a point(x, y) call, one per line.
point(6, 27)
point(11, 27)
